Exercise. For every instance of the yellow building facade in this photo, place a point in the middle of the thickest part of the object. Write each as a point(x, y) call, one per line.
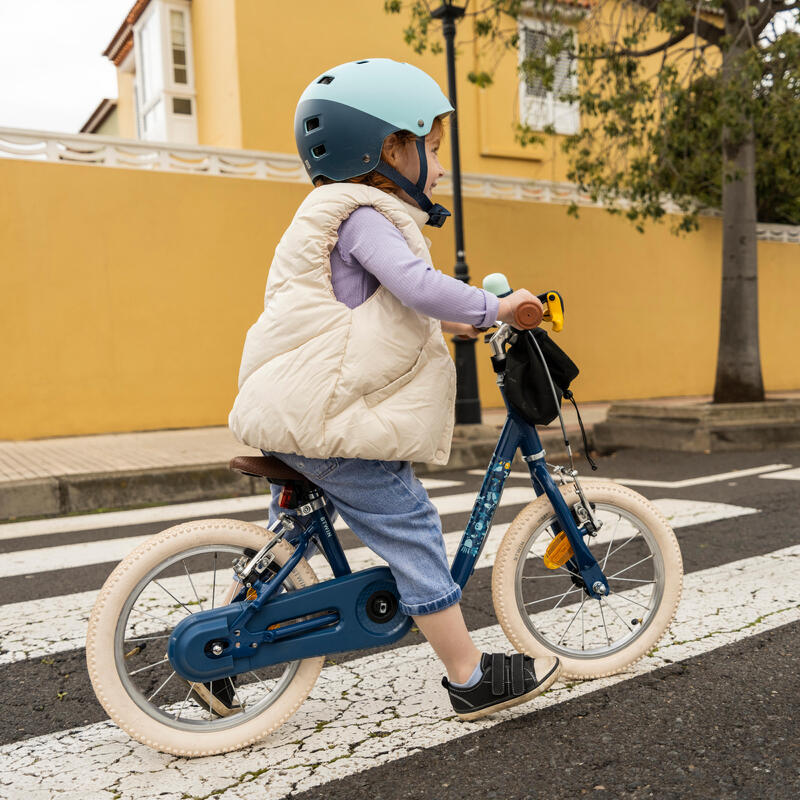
point(133, 266)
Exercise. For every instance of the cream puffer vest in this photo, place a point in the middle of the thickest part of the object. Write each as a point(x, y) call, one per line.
point(321, 379)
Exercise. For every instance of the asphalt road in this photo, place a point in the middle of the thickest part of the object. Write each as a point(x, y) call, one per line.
point(721, 722)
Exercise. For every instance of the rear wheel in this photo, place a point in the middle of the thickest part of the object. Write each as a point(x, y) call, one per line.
point(184, 569)
point(546, 611)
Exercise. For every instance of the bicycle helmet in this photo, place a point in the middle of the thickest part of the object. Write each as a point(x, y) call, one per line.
point(344, 115)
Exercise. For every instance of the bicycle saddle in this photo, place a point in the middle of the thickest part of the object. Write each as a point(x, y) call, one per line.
point(273, 469)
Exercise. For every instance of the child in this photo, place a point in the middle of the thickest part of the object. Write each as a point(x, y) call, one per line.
point(346, 376)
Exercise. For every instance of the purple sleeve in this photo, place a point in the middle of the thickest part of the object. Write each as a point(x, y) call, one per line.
point(382, 250)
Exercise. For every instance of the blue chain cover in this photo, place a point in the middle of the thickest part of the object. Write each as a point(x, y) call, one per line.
point(342, 601)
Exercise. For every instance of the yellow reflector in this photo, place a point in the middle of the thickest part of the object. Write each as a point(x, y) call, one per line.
point(558, 552)
point(251, 594)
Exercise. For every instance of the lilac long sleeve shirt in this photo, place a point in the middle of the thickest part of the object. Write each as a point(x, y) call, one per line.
point(371, 251)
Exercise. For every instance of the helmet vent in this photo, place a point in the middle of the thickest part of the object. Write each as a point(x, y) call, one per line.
point(366, 61)
point(312, 124)
point(325, 79)
point(318, 151)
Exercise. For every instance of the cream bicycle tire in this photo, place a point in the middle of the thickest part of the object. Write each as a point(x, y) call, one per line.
point(103, 621)
point(511, 610)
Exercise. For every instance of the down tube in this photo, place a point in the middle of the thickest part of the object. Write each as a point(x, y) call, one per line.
point(474, 538)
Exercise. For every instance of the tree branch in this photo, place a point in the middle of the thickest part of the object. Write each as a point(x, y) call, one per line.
point(705, 30)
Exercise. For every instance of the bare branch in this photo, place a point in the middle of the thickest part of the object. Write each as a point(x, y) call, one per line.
point(705, 30)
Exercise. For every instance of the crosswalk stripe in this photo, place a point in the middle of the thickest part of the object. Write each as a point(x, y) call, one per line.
point(681, 484)
point(139, 516)
point(380, 708)
point(786, 475)
point(30, 629)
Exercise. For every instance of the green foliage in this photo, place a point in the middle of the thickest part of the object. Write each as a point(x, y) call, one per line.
point(665, 96)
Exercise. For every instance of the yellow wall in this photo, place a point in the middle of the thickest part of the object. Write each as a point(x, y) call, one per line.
point(219, 119)
point(124, 306)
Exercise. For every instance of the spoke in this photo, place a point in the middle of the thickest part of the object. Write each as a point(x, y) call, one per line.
point(235, 693)
point(553, 597)
point(185, 701)
point(214, 584)
point(618, 616)
point(148, 614)
point(539, 577)
point(583, 600)
point(634, 580)
point(160, 687)
point(173, 596)
point(210, 693)
point(603, 617)
point(146, 638)
point(191, 582)
point(149, 666)
point(613, 534)
point(623, 544)
point(258, 678)
point(583, 632)
point(622, 597)
point(646, 558)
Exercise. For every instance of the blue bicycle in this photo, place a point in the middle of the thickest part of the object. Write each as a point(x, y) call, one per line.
point(210, 634)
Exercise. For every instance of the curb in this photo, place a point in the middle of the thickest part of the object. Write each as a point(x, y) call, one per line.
point(88, 492)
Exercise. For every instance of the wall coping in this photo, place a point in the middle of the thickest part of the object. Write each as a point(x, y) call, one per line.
point(110, 151)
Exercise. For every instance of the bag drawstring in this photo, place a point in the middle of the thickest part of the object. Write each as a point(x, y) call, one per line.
point(568, 394)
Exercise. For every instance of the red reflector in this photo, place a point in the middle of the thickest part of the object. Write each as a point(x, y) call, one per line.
point(287, 497)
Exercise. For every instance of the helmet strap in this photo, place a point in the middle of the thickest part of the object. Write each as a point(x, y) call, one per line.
point(437, 214)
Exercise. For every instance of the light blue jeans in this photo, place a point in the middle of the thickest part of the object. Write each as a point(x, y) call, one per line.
point(388, 509)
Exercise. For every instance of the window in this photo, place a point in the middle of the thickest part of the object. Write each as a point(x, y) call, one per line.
point(164, 90)
point(539, 107)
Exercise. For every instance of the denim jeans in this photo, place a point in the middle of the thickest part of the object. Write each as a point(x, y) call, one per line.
point(388, 509)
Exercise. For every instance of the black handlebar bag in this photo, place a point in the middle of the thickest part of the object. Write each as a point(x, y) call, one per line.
point(526, 385)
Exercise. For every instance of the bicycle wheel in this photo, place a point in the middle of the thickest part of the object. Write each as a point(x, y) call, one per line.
point(175, 573)
point(546, 611)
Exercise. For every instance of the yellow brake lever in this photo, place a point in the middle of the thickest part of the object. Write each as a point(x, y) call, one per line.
point(553, 309)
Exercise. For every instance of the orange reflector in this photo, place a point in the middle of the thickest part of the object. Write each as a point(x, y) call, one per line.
point(251, 594)
point(558, 552)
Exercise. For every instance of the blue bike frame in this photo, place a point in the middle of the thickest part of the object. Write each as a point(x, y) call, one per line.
point(334, 616)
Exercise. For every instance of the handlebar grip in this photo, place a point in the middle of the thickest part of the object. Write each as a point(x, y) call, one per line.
point(527, 315)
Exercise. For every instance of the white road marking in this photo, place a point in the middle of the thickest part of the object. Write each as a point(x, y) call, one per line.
point(787, 475)
point(139, 516)
point(32, 629)
point(395, 694)
point(722, 476)
point(81, 554)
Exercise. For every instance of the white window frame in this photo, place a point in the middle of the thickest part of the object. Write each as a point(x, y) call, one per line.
point(537, 112)
point(176, 127)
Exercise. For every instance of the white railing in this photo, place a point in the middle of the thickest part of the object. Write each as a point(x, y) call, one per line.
point(108, 151)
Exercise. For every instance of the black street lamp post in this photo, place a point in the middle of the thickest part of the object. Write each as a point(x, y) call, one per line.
point(468, 407)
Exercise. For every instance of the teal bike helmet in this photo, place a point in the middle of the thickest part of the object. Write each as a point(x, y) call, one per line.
point(345, 114)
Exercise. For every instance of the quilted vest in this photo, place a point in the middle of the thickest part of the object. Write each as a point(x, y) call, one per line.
point(320, 379)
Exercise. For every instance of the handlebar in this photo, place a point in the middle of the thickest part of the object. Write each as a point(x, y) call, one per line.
point(528, 315)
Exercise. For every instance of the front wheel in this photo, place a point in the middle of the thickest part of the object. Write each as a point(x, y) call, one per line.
point(181, 570)
point(546, 611)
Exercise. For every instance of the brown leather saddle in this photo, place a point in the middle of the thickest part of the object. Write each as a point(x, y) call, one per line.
point(273, 469)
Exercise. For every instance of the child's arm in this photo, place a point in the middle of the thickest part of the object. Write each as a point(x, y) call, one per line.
point(379, 247)
point(460, 329)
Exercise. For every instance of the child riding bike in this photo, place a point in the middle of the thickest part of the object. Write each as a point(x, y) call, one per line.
point(346, 376)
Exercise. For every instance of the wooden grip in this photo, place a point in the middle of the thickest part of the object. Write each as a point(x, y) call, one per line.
point(527, 315)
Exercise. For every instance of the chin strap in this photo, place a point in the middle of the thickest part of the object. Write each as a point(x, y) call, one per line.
point(437, 214)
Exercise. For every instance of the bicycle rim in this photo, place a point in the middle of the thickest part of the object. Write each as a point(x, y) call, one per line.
point(563, 618)
point(196, 579)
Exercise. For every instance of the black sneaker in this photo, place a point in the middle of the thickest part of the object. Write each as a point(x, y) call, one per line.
point(218, 696)
point(506, 681)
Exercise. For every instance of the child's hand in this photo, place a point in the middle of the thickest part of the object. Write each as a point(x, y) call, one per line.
point(461, 330)
point(508, 305)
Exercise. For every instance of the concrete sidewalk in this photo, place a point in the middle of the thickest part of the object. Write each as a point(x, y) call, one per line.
point(86, 473)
